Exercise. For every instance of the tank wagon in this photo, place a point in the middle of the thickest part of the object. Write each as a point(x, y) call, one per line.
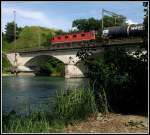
point(123, 31)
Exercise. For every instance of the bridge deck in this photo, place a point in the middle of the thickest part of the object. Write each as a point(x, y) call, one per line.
point(94, 45)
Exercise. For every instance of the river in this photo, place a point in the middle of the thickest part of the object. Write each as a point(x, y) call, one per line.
point(26, 94)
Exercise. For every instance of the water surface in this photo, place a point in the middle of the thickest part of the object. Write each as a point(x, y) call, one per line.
point(25, 94)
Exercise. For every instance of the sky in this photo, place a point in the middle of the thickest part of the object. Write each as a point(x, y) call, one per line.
point(60, 14)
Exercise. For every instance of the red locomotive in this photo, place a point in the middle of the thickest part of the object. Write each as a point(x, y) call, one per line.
point(73, 37)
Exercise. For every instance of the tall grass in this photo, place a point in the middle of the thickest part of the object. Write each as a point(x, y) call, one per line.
point(17, 124)
point(34, 123)
point(69, 106)
point(74, 104)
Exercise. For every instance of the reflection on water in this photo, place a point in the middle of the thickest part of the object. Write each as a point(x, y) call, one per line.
point(23, 94)
point(75, 83)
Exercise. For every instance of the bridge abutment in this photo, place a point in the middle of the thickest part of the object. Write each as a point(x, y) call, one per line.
point(72, 71)
point(23, 71)
point(26, 74)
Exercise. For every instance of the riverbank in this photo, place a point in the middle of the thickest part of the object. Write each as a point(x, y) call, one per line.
point(30, 74)
point(7, 74)
point(111, 123)
point(69, 106)
point(72, 111)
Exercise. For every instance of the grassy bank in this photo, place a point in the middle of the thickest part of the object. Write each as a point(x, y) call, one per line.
point(7, 74)
point(33, 123)
point(71, 114)
point(69, 106)
point(5, 65)
point(74, 105)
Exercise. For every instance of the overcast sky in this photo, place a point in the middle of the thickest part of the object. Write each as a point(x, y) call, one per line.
point(60, 14)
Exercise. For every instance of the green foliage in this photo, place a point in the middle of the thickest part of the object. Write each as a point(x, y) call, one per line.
point(45, 69)
point(123, 78)
point(93, 24)
point(52, 66)
point(36, 122)
point(60, 32)
point(5, 64)
point(34, 37)
point(69, 106)
point(30, 37)
point(10, 31)
point(6, 46)
point(74, 105)
point(86, 24)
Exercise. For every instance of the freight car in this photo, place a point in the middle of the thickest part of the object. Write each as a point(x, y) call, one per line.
point(123, 31)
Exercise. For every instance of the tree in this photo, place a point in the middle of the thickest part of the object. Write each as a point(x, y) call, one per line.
point(47, 42)
point(86, 24)
point(3, 36)
point(10, 31)
point(5, 63)
point(59, 32)
point(145, 4)
point(94, 24)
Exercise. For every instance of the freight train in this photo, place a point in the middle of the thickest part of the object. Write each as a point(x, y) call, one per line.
point(108, 33)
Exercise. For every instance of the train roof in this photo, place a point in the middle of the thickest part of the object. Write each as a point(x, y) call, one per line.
point(82, 32)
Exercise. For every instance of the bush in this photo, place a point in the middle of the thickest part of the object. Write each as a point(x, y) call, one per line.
point(5, 64)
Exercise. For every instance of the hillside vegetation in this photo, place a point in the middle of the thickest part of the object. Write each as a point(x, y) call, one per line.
point(31, 37)
point(5, 64)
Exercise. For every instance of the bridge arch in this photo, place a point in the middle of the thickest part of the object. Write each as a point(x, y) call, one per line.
point(28, 61)
point(38, 62)
point(38, 59)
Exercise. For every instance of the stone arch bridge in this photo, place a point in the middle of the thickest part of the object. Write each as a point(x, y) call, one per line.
point(25, 60)
point(22, 59)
